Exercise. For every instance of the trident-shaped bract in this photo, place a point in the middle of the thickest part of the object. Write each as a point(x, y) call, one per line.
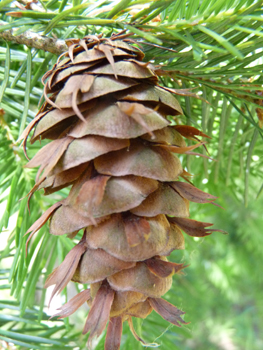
point(113, 143)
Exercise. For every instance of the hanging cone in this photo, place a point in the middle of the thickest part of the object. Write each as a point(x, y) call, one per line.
point(112, 142)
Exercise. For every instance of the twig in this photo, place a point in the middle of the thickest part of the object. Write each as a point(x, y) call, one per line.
point(37, 41)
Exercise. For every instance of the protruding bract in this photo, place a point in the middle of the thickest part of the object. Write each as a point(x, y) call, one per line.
point(64, 273)
point(194, 228)
point(162, 267)
point(113, 142)
point(168, 311)
point(73, 304)
point(114, 331)
point(99, 312)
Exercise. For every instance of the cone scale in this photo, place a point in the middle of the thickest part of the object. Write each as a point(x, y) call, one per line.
point(111, 141)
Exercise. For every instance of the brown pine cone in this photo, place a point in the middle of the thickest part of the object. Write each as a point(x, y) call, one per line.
point(113, 143)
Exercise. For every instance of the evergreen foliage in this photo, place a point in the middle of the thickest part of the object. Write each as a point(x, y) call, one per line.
point(212, 47)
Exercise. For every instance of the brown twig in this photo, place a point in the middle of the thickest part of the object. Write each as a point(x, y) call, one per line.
point(28, 38)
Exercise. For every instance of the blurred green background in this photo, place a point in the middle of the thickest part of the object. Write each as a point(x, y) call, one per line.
point(214, 47)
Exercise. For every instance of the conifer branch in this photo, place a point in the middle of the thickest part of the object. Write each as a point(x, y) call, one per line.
point(37, 41)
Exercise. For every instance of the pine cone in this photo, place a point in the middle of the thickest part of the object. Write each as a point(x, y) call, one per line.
point(112, 141)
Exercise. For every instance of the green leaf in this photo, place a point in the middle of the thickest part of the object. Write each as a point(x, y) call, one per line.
point(5, 3)
point(20, 343)
point(64, 14)
point(248, 161)
point(7, 71)
point(17, 23)
point(222, 41)
point(175, 10)
point(146, 36)
point(159, 5)
point(231, 152)
point(121, 5)
point(11, 198)
point(29, 338)
point(260, 191)
point(27, 92)
point(191, 8)
point(249, 31)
